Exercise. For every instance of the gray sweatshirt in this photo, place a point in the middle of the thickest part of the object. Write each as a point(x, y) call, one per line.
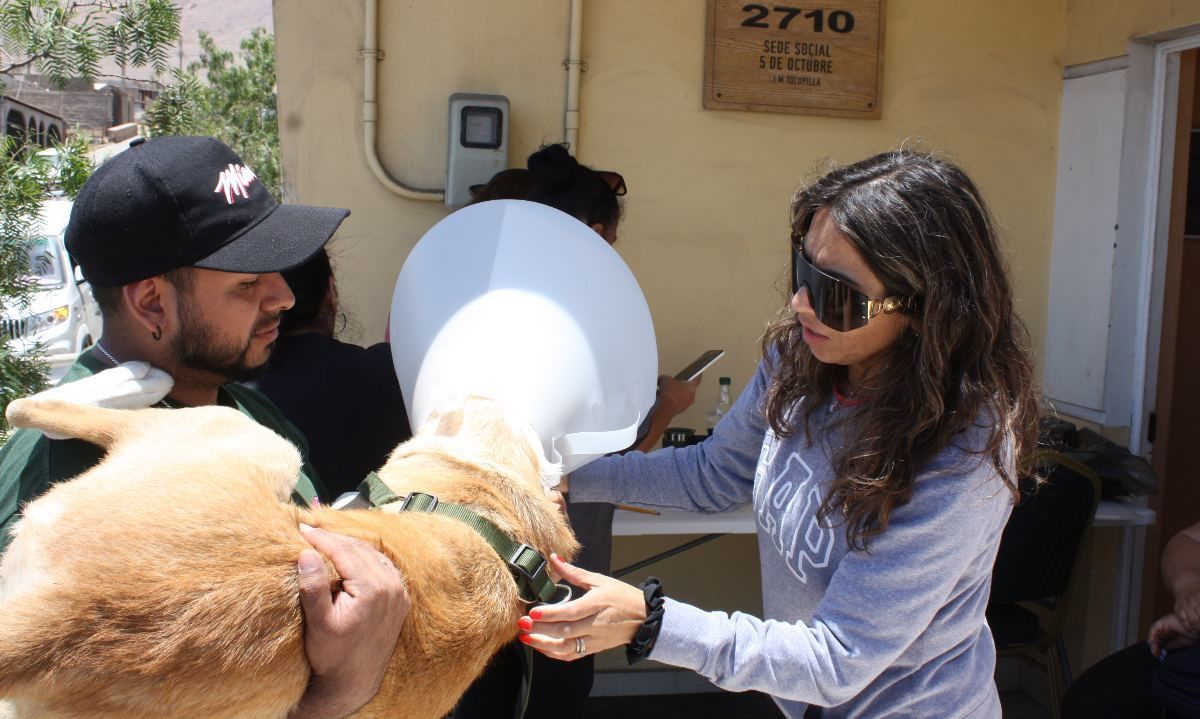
point(895, 631)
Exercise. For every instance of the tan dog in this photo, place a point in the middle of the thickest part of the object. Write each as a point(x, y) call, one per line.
point(162, 582)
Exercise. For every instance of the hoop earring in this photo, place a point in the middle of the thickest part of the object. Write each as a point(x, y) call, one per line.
point(157, 333)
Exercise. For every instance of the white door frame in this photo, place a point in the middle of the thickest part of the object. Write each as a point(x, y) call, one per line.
point(1152, 227)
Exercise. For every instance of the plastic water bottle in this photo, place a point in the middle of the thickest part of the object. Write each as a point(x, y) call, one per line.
point(722, 406)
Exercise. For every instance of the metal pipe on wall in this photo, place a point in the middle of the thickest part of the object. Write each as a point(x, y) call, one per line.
point(574, 67)
point(371, 56)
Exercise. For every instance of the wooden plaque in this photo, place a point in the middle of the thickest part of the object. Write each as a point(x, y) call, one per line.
point(804, 59)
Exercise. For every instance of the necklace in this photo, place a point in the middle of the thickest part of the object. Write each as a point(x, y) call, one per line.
point(107, 355)
point(116, 363)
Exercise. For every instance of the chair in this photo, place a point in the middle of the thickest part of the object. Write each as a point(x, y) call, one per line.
point(1039, 555)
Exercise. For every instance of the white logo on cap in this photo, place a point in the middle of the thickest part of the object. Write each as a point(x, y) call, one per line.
point(233, 181)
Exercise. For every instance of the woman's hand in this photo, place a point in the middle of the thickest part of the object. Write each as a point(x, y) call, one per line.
point(607, 616)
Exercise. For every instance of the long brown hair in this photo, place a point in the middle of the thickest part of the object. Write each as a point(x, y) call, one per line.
point(921, 226)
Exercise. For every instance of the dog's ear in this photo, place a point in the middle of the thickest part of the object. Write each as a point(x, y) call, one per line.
point(448, 424)
point(446, 417)
point(480, 418)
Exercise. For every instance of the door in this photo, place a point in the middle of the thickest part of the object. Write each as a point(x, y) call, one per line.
point(1176, 413)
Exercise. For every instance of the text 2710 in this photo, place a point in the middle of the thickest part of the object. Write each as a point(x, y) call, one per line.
point(839, 21)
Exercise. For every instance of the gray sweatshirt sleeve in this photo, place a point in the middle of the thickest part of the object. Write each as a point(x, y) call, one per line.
point(925, 575)
point(712, 476)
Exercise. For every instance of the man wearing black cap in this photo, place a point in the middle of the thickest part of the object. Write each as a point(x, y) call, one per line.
point(183, 247)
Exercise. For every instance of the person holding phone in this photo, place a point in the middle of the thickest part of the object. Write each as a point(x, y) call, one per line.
point(880, 442)
point(699, 365)
point(557, 179)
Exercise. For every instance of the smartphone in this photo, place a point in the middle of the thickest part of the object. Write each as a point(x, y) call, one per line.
point(701, 363)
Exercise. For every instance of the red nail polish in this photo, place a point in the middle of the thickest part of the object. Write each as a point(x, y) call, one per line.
point(524, 638)
point(535, 613)
point(525, 623)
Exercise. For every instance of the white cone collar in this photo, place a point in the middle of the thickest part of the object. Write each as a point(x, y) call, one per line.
point(527, 305)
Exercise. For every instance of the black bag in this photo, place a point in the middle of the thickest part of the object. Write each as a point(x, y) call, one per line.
point(1122, 473)
point(1176, 684)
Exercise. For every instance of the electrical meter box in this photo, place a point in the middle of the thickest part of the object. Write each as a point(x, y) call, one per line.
point(478, 143)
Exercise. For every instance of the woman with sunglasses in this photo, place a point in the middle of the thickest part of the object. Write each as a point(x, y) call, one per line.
point(880, 443)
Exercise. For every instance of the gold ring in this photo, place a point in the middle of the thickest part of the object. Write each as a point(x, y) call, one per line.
point(580, 646)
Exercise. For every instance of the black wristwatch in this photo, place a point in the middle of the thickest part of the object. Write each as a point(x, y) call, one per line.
point(647, 634)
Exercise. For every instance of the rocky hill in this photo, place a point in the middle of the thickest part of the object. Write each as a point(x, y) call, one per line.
point(228, 21)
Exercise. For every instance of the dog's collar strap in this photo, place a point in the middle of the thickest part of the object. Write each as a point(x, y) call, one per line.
point(527, 565)
point(376, 492)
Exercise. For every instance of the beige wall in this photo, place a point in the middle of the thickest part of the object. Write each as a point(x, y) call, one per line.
point(432, 49)
point(1100, 29)
point(706, 224)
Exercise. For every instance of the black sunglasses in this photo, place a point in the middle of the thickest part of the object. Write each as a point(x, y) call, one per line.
point(614, 181)
point(836, 304)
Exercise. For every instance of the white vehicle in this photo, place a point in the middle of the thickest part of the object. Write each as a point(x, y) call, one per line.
point(62, 317)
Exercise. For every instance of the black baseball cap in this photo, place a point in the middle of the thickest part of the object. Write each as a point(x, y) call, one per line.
point(175, 202)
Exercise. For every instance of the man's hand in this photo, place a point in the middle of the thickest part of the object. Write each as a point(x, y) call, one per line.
point(1187, 607)
point(1169, 633)
point(349, 636)
point(675, 396)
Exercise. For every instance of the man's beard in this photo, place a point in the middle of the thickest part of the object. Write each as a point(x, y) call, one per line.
point(197, 347)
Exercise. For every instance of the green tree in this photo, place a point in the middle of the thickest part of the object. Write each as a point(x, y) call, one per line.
point(232, 100)
point(25, 179)
point(67, 39)
point(62, 39)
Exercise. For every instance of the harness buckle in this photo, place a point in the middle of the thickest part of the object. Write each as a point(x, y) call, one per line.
point(517, 562)
point(420, 502)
